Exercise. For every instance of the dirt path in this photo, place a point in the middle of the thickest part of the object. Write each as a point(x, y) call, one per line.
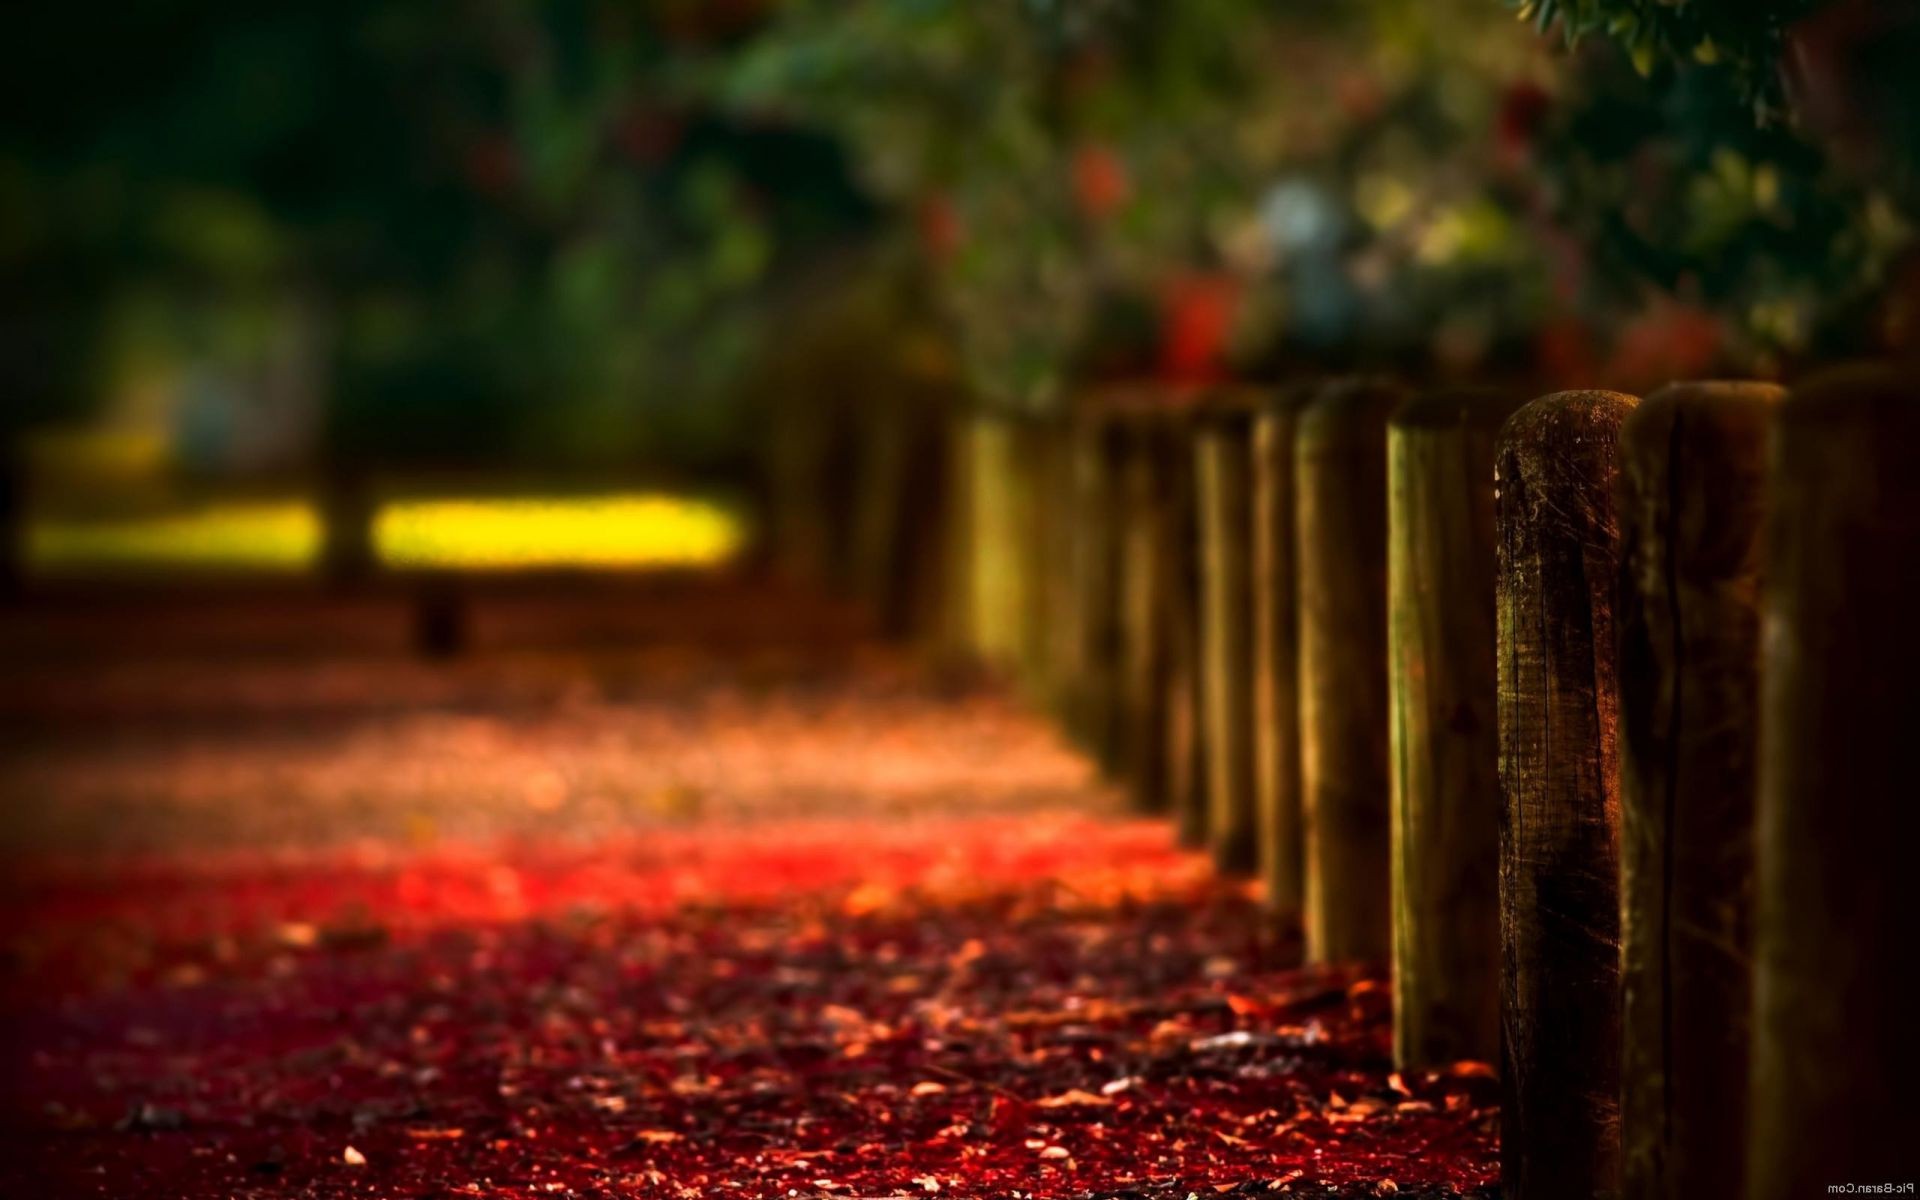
point(684, 892)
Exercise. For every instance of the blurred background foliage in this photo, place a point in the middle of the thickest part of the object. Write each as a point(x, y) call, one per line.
point(419, 233)
point(587, 233)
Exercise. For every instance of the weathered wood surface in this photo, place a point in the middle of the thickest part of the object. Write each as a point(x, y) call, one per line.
point(1340, 463)
point(1053, 528)
point(1140, 736)
point(1276, 654)
point(898, 520)
point(1095, 546)
point(1836, 1048)
point(1003, 543)
point(1693, 482)
point(1555, 477)
point(1444, 736)
point(1186, 753)
point(1223, 479)
point(13, 518)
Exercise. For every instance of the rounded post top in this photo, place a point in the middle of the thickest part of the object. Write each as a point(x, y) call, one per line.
point(1458, 408)
point(1574, 414)
point(1137, 405)
point(1718, 402)
point(1148, 403)
point(1358, 403)
point(1876, 390)
point(1713, 394)
point(1229, 407)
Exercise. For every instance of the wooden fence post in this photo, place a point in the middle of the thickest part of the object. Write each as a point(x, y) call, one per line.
point(1836, 1047)
point(1692, 472)
point(348, 557)
point(1187, 749)
point(997, 537)
point(13, 516)
point(1094, 551)
point(1555, 476)
point(1276, 654)
point(1050, 534)
point(1223, 461)
point(901, 503)
point(1140, 735)
point(1444, 739)
point(1340, 463)
point(958, 641)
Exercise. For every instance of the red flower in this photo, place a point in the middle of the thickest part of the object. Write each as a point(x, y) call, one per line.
point(939, 226)
point(1523, 108)
point(1669, 341)
point(1099, 181)
point(1196, 317)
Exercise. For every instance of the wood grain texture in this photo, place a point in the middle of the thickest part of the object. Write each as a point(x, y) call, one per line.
point(1143, 568)
point(995, 574)
point(1054, 658)
point(13, 518)
point(1276, 654)
point(1185, 732)
point(894, 564)
point(1038, 529)
point(1444, 740)
point(1340, 488)
point(1693, 481)
point(1090, 660)
point(1555, 475)
point(1836, 1048)
point(1223, 477)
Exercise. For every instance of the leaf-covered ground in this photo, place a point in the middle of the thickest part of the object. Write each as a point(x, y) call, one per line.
point(677, 894)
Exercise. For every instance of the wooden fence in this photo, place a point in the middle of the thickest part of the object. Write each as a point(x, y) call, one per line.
point(1588, 715)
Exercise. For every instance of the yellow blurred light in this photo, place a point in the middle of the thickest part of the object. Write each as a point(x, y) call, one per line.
point(1383, 200)
point(629, 531)
point(274, 536)
point(636, 531)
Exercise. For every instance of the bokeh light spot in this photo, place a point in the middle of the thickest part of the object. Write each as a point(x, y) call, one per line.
point(614, 531)
point(279, 536)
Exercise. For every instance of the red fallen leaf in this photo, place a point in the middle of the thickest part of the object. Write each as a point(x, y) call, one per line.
point(1469, 1069)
